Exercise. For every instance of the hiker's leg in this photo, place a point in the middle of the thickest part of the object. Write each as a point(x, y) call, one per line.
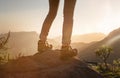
point(69, 6)
point(66, 50)
point(53, 7)
point(42, 44)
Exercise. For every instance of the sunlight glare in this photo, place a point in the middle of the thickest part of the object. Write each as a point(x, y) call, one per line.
point(111, 41)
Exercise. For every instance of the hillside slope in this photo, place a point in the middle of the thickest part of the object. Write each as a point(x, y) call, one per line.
point(112, 40)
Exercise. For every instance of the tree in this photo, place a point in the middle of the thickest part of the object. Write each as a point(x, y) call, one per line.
point(3, 41)
point(3, 55)
point(103, 53)
point(116, 65)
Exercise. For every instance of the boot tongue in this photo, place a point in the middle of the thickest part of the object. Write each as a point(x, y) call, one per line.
point(65, 47)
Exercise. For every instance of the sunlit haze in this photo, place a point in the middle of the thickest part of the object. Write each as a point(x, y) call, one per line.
point(90, 16)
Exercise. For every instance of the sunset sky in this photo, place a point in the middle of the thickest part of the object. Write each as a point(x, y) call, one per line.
point(90, 16)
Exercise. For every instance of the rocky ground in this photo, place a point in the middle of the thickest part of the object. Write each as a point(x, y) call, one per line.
point(47, 65)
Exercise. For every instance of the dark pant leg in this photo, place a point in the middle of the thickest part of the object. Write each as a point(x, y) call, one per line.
point(53, 7)
point(69, 6)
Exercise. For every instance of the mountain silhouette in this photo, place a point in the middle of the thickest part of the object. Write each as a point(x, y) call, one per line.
point(47, 65)
point(112, 40)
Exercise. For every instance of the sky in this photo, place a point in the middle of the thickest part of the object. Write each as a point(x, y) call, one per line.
point(90, 16)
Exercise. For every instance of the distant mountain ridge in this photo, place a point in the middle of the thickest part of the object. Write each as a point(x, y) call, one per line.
point(26, 42)
point(23, 42)
point(86, 38)
point(112, 40)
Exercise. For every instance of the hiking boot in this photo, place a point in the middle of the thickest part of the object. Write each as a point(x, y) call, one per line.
point(43, 46)
point(67, 52)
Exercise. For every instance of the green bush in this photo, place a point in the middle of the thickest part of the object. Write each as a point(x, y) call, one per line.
point(106, 69)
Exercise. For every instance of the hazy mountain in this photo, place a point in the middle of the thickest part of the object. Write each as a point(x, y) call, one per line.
point(86, 38)
point(24, 43)
point(112, 40)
